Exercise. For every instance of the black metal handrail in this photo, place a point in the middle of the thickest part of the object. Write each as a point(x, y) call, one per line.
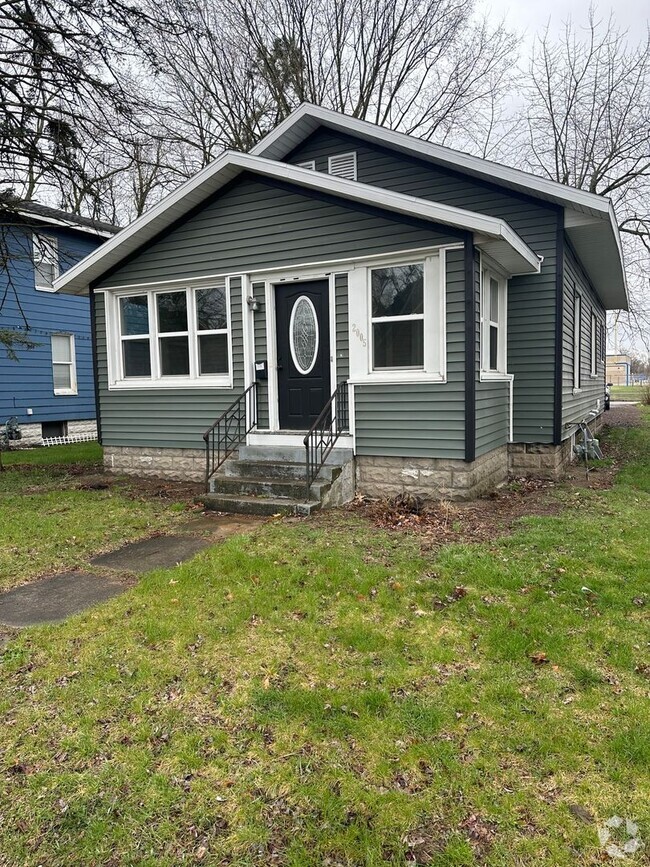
point(325, 431)
point(228, 432)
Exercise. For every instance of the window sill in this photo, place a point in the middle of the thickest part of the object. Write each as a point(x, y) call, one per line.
point(49, 289)
point(397, 378)
point(495, 376)
point(175, 382)
point(65, 392)
point(577, 391)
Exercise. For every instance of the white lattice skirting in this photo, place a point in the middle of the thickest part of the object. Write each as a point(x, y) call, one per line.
point(73, 438)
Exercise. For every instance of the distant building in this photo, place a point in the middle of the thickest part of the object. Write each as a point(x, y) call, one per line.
point(618, 369)
point(49, 391)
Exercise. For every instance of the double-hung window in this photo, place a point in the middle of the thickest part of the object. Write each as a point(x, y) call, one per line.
point(398, 317)
point(173, 336)
point(494, 304)
point(577, 341)
point(64, 367)
point(46, 261)
point(593, 348)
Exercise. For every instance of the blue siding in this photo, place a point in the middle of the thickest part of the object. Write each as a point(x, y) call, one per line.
point(28, 382)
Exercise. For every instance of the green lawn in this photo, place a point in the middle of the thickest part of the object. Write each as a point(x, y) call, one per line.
point(627, 392)
point(320, 692)
point(48, 521)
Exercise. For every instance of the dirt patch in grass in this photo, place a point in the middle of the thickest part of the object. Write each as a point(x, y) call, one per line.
point(440, 523)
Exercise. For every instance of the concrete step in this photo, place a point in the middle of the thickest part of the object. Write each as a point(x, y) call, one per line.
point(253, 469)
point(290, 454)
point(248, 505)
point(263, 486)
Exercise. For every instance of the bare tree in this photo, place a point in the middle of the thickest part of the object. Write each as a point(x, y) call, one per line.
point(426, 67)
point(588, 125)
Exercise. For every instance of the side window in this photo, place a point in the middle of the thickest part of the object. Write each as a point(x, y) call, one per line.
point(46, 261)
point(593, 348)
point(577, 340)
point(494, 309)
point(64, 367)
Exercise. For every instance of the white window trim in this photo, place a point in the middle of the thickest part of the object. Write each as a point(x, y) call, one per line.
point(501, 373)
point(43, 242)
point(435, 326)
point(116, 378)
point(72, 364)
point(352, 154)
point(593, 348)
point(577, 342)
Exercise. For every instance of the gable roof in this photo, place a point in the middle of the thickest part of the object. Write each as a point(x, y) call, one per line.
point(590, 221)
point(492, 234)
point(44, 214)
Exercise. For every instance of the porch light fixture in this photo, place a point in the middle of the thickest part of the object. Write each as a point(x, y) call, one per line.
point(253, 304)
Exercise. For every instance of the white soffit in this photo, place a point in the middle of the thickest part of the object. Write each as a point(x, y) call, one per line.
point(517, 257)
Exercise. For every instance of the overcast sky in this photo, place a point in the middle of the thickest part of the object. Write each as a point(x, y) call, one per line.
point(531, 16)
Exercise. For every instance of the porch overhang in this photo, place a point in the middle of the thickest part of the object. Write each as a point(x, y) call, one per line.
point(491, 234)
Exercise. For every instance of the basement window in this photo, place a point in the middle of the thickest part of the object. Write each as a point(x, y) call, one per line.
point(343, 165)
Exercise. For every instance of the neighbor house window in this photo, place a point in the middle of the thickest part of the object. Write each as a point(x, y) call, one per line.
point(175, 335)
point(577, 340)
point(593, 348)
point(64, 371)
point(398, 317)
point(603, 342)
point(494, 308)
point(343, 166)
point(46, 261)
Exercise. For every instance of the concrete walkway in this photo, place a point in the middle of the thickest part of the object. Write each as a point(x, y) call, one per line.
point(55, 597)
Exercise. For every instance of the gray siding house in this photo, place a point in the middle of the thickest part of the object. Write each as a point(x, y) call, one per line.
point(350, 309)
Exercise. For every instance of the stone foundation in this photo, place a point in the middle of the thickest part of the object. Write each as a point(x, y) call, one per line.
point(433, 478)
point(543, 460)
point(32, 433)
point(176, 464)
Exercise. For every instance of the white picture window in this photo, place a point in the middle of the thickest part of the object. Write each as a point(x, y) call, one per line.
point(494, 313)
point(397, 320)
point(577, 341)
point(46, 261)
point(173, 336)
point(593, 346)
point(64, 369)
point(397, 317)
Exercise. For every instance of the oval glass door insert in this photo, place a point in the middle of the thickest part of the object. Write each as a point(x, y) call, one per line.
point(303, 334)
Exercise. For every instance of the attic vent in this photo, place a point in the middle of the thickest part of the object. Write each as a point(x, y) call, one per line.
point(310, 164)
point(343, 166)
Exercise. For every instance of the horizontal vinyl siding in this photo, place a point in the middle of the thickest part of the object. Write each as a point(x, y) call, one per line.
point(342, 323)
point(531, 308)
point(257, 224)
point(166, 417)
point(28, 383)
point(576, 406)
point(426, 419)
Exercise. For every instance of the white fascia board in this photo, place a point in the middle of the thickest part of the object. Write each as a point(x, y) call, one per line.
point(272, 145)
point(90, 230)
point(228, 165)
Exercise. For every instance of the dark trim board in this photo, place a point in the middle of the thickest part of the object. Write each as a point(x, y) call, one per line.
point(93, 343)
point(559, 330)
point(470, 352)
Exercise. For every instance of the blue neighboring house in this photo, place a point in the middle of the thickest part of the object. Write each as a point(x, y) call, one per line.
point(47, 391)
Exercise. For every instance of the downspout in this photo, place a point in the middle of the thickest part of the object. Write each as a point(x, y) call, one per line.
point(470, 352)
point(93, 343)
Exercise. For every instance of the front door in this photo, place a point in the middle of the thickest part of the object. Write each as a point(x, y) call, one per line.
point(303, 335)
